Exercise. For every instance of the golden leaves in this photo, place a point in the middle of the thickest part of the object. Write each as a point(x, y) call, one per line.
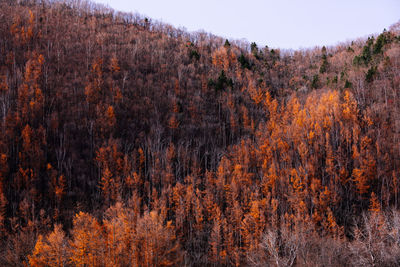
point(50, 250)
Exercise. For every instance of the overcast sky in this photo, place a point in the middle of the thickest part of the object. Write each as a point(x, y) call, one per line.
point(276, 23)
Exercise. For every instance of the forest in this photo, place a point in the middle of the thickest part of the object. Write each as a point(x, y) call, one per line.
point(128, 142)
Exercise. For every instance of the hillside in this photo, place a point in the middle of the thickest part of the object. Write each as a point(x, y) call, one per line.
point(128, 142)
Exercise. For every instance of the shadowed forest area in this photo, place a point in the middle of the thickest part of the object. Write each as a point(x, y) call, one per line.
point(128, 142)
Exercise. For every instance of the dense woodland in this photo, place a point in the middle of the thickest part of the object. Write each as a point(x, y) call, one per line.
point(128, 142)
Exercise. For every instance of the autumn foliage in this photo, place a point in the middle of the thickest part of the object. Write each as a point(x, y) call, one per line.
point(127, 142)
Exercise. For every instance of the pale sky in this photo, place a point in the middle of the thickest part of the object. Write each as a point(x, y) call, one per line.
point(276, 23)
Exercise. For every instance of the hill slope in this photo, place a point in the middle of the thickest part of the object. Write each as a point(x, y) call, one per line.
point(172, 148)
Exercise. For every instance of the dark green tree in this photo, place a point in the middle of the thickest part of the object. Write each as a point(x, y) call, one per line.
point(369, 76)
point(244, 62)
point(315, 82)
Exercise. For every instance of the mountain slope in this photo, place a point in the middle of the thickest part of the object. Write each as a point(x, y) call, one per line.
point(173, 148)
